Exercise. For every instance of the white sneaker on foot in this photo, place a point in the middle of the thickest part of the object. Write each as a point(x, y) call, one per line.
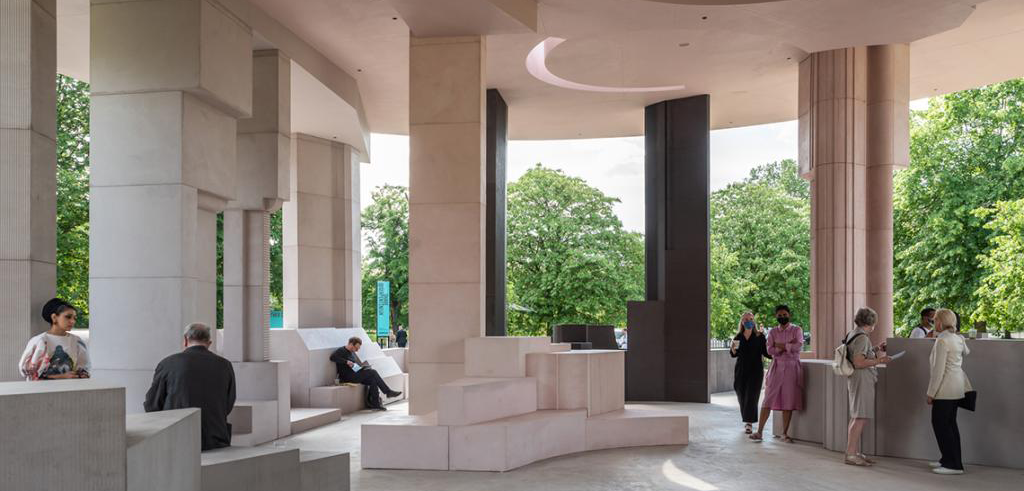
point(934, 465)
point(947, 472)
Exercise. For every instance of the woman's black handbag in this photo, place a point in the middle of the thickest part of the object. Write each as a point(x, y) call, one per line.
point(970, 400)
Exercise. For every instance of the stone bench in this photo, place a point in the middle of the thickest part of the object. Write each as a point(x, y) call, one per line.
point(253, 422)
point(351, 397)
point(162, 450)
point(475, 400)
point(250, 469)
point(590, 379)
point(307, 418)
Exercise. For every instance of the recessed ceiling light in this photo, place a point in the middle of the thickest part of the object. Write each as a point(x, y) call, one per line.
point(394, 18)
point(704, 17)
point(683, 45)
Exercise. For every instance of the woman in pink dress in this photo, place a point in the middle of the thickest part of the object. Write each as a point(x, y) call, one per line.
point(783, 386)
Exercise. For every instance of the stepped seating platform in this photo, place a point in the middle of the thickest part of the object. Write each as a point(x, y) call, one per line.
point(350, 397)
point(307, 418)
point(273, 469)
point(155, 457)
point(564, 402)
point(253, 423)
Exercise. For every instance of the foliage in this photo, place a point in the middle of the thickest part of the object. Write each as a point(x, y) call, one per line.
point(966, 155)
point(1000, 295)
point(760, 254)
point(73, 194)
point(276, 262)
point(386, 231)
point(569, 259)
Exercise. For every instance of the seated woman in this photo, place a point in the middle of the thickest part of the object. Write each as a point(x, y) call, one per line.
point(56, 353)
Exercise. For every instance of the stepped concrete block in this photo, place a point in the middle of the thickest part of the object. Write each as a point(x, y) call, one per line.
point(513, 442)
point(404, 442)
point(475, 400)
point(250, 469)
point(501, 356)
point(582, 379)
point(78, 423)
point(352, 397)
point(163, 450)
point(266, 381)
point(307, 418)
point(253, 422)
point(324, 471)
point(560, 347)
point(637, 427)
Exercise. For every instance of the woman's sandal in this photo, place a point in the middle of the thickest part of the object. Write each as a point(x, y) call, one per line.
point(787, 439)
point(747, 429)
point(856, 460)
point(755, 436)
point(866, 459)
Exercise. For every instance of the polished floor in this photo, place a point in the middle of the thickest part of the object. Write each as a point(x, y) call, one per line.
point(719, 457)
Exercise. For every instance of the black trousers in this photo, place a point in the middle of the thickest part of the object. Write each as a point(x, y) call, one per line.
point(373, 382)
point(748, 390)
point(947, 434)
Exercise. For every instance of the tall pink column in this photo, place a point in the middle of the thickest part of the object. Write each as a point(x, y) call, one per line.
point(853, 131)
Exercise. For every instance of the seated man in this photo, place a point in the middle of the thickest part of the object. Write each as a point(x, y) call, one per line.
point(351, 369)
point(196, 377)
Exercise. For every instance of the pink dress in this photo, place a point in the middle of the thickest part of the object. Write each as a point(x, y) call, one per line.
point(783, 386)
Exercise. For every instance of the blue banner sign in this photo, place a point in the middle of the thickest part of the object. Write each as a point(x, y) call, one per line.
point(383, 309)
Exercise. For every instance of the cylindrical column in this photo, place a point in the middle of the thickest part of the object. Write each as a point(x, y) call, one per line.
point(446, 209)
point(28, 166)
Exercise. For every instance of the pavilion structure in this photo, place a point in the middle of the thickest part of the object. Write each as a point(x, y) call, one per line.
point(244, 107)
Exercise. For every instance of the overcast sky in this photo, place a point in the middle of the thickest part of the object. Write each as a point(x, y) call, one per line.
point(613, 165)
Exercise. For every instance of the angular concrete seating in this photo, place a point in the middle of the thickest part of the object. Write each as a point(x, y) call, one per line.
point(501, 356)
point(475, 400)
point(404, 442)
point(307, 418)
point(351, 397)
point(586, 379)
point(513, 442)
point(637, 427)
point(253, 422)
point(163, 450)
point(250, 469)
point(323, 471)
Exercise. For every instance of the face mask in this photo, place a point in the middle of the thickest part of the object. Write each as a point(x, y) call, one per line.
point(931, 322)
point(783, 320)
point(748, 325)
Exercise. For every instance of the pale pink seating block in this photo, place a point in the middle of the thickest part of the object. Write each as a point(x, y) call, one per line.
point(637, 427)
point(475, 400)
point(501, 356)
point(404, 442)
point(513, 442)
point(583, 379)
point(560, 347)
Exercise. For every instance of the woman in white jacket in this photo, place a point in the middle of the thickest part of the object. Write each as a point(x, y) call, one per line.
point(946, 387)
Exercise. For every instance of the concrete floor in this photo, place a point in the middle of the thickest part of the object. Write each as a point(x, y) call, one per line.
point(719, 457)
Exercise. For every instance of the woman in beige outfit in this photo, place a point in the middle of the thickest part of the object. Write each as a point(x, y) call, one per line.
point(946, 387)
point(861, 384)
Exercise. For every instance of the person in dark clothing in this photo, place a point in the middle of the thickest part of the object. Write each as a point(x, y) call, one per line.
point(196, 377)
point(748, 347)
point(351, 369)
point(402, 337)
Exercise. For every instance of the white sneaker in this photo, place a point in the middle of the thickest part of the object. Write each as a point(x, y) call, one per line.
point(934, 465)
point(947, 472)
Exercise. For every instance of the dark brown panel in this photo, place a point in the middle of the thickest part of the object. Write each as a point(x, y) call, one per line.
point(497, 140)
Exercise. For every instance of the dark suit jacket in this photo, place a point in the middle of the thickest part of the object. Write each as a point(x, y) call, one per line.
point(345, 372)
point(196, 377)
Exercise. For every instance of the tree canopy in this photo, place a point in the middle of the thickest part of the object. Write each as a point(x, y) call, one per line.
point(386, 258)
point(73, 194)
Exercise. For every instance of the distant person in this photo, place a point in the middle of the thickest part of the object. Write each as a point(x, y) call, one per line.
point(947, 386)
point(924, 328)
point(402, 337)
point(749, 348)
point(56, 353)
point(196, 377)
point(784, 383)
point(352, 370)
point(861, 384)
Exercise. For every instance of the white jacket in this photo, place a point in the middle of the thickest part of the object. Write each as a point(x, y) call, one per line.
point(948, 380)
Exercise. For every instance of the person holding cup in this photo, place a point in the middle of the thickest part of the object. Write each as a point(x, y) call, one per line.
point(748, 347)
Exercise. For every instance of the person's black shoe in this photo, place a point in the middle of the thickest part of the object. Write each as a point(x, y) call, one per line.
point(394, 393)
point(377, 408)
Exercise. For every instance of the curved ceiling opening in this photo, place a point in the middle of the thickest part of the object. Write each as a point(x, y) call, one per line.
point(536, 64)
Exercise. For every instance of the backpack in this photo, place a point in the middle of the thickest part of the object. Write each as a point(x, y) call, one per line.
point(841, 362)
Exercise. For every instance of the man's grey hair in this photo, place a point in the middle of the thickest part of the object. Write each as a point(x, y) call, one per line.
point(198, 332)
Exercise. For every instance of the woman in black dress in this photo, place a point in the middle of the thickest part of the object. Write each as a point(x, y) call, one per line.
point(748, 347)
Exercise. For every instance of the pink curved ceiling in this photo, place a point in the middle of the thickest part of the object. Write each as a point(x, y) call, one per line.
point(536, 64)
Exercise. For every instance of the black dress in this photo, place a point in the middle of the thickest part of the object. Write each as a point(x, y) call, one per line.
point(749, 373)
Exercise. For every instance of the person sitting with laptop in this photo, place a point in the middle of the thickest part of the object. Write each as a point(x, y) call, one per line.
point(353, 370)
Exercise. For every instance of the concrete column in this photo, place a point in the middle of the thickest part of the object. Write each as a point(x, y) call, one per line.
point(853, 131)
point(28, 166)
point(446, 209)
point(497, 153)
point(322, 236)
point(169, 78)
point(264, 151)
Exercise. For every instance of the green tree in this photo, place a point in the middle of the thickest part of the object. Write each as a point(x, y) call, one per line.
point(966, 154)
point(569, 259)
point(73, 194)
point(1000, 295)
point(386, 230)
point(276, 262)
point(762, 225)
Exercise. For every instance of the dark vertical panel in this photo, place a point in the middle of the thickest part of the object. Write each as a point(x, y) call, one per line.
point(497, 140)
point(673, 324)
